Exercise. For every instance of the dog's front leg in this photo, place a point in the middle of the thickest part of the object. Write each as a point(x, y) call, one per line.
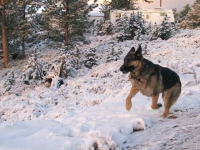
point(132, 93)
point(155, 104)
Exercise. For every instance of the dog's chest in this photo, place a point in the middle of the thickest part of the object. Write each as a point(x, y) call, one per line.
point(143, 86)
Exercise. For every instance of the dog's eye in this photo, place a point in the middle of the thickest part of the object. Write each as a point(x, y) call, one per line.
point(131, 59)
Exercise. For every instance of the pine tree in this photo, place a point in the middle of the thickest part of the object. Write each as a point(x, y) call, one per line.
point(90, 58)
point(193, 17)
point(148, 28)
point(121, 26)
point(175, 29)
point(105, 9)
point(10, 81)
point(75, 58)
point(106, 28)
point(114, 55)
point(176, 15)
point(24, 24)
point(185, 11)
point(165, 29)
point(67, 19)
point(137, 26)
point(21, 27)
point(34, 69)
point(126, 4)
point(126, 25)
point(133, 24)
point(119, 4)
point(18, 23)
point(154, 31)
point(98, 27)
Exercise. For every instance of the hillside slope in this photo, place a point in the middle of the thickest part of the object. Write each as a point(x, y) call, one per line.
point(89, 111)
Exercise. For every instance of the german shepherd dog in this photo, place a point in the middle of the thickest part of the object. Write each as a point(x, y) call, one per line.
point(150, 79)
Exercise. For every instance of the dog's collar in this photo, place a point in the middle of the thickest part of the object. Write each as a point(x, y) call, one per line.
point(135, 78)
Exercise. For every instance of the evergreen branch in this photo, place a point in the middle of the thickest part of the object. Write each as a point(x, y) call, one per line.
point(38, 66)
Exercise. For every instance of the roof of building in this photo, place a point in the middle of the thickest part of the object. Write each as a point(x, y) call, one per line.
point(96, 14)
point(143, 10)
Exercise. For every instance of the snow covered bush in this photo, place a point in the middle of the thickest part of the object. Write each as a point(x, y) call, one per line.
point(164, 31)
point(121, 27)
point(74, 58)
point(135, 29)
point(137, 26)
point(33, 70)
point(192, 18)
point(38, 70)
point(10, 81)
point(90, 58)
point(154, 32)
point(105, 28)
point(114, 54)
point(175, 29)
point(96, 27)
point(131, 28)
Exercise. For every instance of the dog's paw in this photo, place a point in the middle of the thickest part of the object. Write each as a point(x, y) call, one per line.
point(128, 106)
point(159, 105)
point(164, 115)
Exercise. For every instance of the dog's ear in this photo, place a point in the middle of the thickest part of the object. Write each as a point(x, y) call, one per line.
point(139, 51)
point(132, 49)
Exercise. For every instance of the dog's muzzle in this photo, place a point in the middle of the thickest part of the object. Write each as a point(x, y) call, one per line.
point(126, 69)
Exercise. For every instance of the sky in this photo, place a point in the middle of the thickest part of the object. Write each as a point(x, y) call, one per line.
point(179, 4)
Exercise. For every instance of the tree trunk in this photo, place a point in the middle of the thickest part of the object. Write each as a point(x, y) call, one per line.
point(67, 26)
point(128, 5)
point(66, 35)
point(23, 39)
point(23, 48)
point(4, 38)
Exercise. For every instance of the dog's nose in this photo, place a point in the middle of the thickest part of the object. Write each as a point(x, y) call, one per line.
point(122, 69)
point(124, 72)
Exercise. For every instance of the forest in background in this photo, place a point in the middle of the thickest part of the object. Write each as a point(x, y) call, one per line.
point(25, 23)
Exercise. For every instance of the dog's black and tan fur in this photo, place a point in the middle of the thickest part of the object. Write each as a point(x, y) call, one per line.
point(151, 79)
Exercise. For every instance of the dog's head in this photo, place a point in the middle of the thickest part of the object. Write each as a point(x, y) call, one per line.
point(132, 61)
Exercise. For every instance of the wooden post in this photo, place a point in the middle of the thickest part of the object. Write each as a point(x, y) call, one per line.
point(4, 37)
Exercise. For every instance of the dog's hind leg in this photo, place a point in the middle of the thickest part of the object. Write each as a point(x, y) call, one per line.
point(170, 97)
point(155, 104)
point(132, 93)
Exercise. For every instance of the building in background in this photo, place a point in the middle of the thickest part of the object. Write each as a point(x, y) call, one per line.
point(149, 15)
point(96, 17)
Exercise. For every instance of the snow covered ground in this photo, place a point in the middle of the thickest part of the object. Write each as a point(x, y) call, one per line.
point(89, 112)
